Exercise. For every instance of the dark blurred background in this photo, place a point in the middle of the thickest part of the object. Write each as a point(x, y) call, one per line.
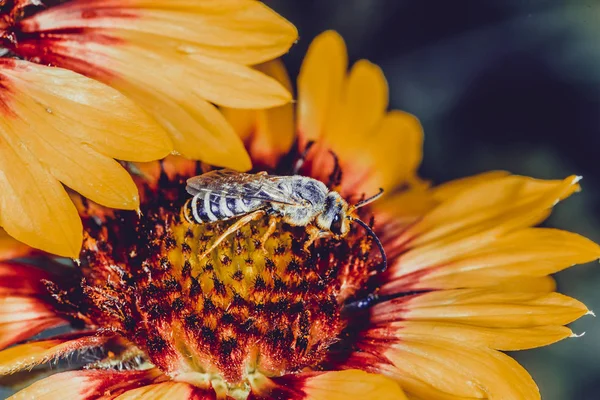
point(497, 84)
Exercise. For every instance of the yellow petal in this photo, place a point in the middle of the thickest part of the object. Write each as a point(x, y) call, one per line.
point(528, 252)
point(459, 369)
point(506, 339)
point(176, 79)
point(84, 110)
point(360, 110)
point(396, 149)
point(233, 85)
point(243, 121)
point(241, 31)
point(84, 385)
point(347, 384)
point(419, 390)
point(542, 284)
point(65, 126)
point(483, 307)
point(347, 116)
point(166, 390)
point(341, 385)
point(268, 134)
point(93, 175)
point(30, 354)
point(352, 121)
point(198, 130)
point(452, 188)
point(34, 207)
point(405, 207)
point(320, 81)
point(502, 204)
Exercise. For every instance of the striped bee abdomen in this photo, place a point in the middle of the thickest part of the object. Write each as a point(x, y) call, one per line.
point(210, 207)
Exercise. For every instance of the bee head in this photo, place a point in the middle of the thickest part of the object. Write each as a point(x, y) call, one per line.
point(333, 218)
point(337, 216)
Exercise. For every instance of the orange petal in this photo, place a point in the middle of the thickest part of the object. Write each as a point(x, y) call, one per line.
point(21, 279)
point(87, 385)
point(459, 369)
point(30, 354)
point(268, 134)
point(109, 42)
point(17, 331)
point(11, 248)
point(22, 317)
point(334, 385)
point(168, 390)
point(171, 166)
point(498, 205)
point(22, 313)
point(320, 82)
point(483, 307)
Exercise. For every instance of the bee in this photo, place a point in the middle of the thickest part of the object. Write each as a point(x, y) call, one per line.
point(297, 200)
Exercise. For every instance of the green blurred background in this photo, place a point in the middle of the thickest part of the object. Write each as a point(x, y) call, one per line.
point(497, 84)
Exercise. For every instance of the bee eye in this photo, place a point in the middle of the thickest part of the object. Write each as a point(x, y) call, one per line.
point(336, 225)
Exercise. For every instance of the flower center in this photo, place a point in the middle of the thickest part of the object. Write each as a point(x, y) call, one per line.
point(247, 309)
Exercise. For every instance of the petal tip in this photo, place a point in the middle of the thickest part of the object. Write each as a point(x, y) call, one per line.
point(590, 312)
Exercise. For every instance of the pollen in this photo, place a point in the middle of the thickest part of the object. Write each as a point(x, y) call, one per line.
point(247, 309)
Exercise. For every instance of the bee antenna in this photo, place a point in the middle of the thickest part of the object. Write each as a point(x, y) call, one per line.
point(375, 238)
point(369, 200)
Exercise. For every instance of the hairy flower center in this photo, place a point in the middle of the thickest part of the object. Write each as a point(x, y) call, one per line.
point(248, 309)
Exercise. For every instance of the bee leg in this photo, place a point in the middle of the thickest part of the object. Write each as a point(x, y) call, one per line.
point(314, 233)
point(335, 178)
point(237, 226)
point(270, 230)
point(302, 158)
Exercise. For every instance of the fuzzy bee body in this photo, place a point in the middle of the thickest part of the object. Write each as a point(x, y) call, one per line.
point(297, 200)
point(223, 194)
point(209, 207)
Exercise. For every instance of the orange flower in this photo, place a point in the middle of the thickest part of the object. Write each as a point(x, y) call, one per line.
point(467, 278)
point(173, 58)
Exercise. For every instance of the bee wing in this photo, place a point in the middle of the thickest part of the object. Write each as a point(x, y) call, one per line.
point(233, 184)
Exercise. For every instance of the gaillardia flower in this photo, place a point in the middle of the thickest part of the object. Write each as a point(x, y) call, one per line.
point(259, 317)
point(85, 82)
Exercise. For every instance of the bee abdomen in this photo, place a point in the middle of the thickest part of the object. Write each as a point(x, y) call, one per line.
point(211, 207)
